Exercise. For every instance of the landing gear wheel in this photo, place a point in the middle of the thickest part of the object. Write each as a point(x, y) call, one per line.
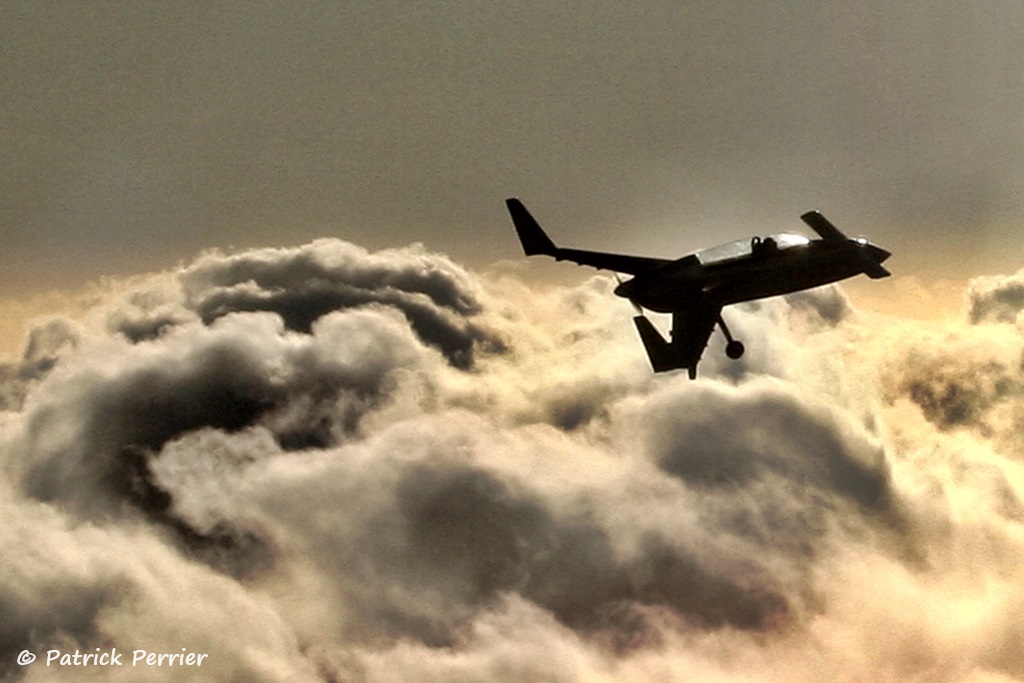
point(734, 349)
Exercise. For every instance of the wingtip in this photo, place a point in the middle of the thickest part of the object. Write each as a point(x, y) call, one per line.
point(531, 235)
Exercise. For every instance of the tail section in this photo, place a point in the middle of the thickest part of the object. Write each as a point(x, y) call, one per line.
point(662, 354)
point(533, 237)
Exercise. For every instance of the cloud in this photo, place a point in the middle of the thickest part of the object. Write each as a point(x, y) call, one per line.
point(302, 284)
point(47, 341)
point(92, 423)
point(70, 585)
point(961, 377)
point(321, 463)
point(996, 298)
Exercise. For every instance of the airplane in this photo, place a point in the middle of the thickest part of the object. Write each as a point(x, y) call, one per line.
point(696, 287)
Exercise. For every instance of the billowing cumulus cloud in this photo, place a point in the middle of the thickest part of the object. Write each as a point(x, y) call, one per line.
point(325, 464)
point(996, 299)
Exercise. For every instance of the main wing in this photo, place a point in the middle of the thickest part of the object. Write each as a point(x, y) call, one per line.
point(536, 241)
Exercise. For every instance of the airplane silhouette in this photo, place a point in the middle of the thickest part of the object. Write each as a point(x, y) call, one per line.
point(696, 287)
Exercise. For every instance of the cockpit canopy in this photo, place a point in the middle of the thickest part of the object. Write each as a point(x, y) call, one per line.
point(741, 248)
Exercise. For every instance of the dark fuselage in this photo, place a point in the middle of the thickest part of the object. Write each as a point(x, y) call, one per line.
point(753, 276)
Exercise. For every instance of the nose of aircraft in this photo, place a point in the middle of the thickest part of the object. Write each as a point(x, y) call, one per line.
point(876, 252)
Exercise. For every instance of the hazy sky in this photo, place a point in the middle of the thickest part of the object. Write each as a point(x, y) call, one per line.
point(136, 134)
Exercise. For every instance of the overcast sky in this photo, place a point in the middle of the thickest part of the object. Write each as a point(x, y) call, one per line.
point(136, 134)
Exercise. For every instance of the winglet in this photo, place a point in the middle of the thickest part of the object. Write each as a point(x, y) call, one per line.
point(533, 237)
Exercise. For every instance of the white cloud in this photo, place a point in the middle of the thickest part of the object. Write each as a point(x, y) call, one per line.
point(507, 494)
